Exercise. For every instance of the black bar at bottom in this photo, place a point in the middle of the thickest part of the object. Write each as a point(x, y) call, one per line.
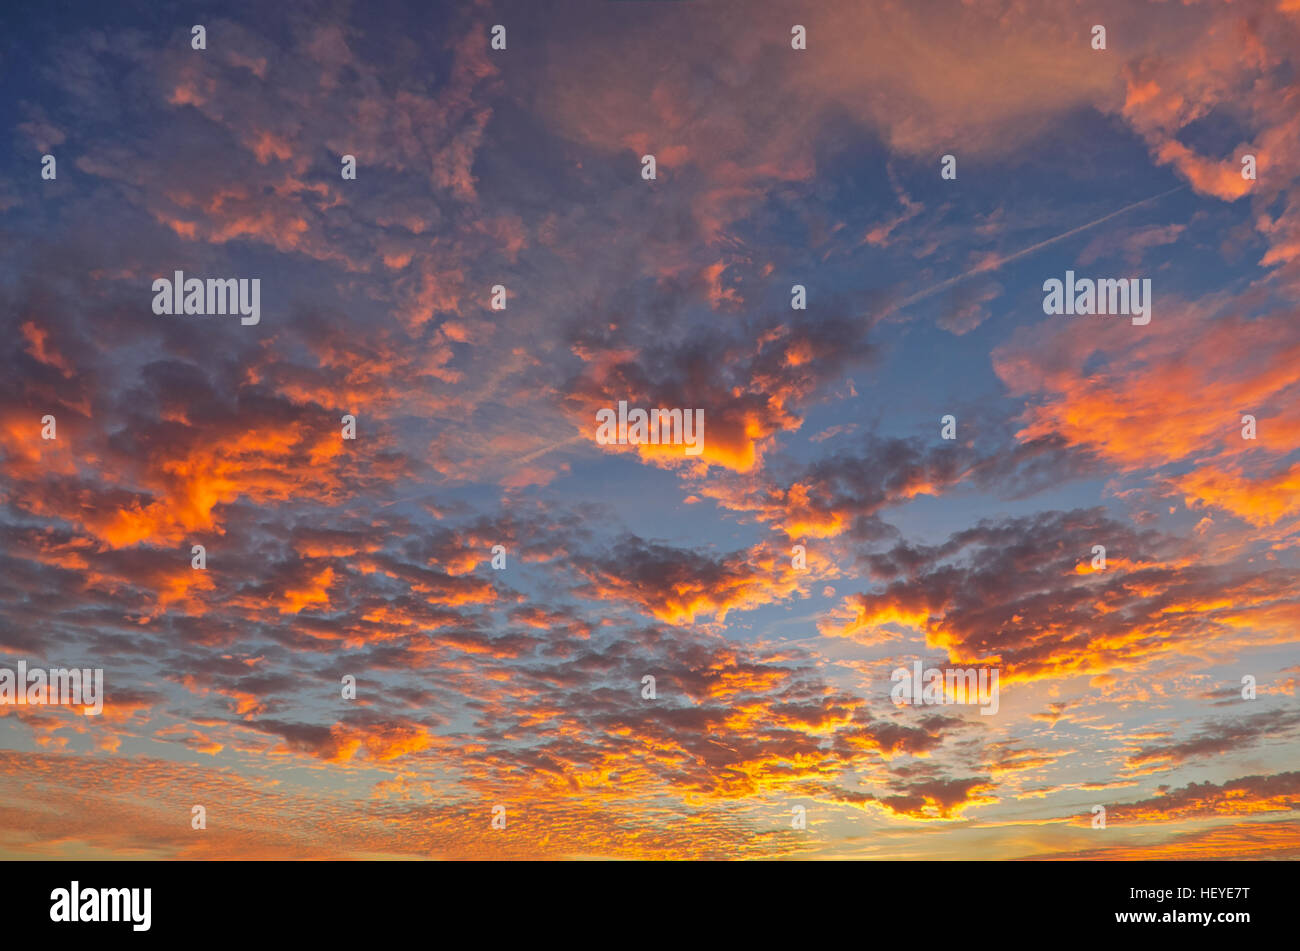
point(996, 903)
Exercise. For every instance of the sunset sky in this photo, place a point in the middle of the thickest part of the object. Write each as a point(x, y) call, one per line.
point(476, 427)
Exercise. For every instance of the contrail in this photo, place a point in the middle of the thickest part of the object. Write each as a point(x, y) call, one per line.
point(997, 263)
point(522, 459)
point(551, 448)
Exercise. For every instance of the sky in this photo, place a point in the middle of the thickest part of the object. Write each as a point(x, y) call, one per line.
point(826, 534)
